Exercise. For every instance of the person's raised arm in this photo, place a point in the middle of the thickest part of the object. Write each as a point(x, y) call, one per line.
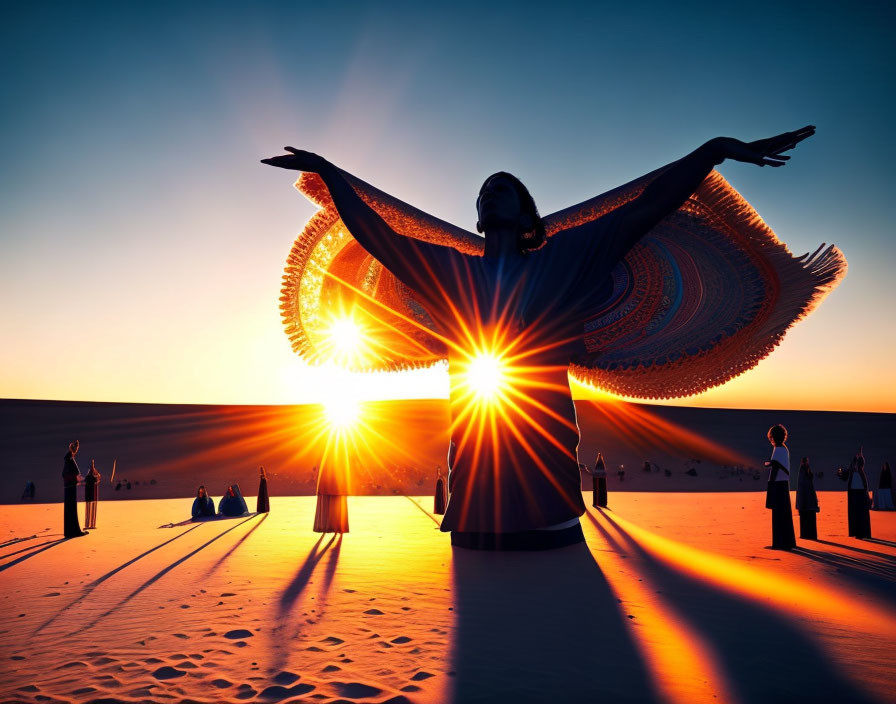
point(412, 261)
point(619, 230)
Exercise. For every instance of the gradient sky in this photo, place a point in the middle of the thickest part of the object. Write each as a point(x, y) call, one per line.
point(142, 242)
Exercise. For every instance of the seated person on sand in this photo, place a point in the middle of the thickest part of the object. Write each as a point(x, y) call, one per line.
point(232, 503)
point(203, 504)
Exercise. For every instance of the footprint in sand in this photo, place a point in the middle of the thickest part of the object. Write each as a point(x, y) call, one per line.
point(410, 688)
point(276, 692)
point(238, 633)
point(422, 676)
point(52, 594)
point(332, 640)
point(221, 684)
point(373, 612)
point(168, 673)
point(285, 678)
point(400, 639)
point(356, 690)
point(181, 635)
point(331, 668)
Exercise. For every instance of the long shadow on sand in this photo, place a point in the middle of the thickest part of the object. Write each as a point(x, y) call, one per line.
point(541, 626)
point(747, 638)
point(21, 559)
point(880, 578)
point(161, 573)
point(881, 542)
point(99, 580)
point(230, 552)
point(864, 551)
point(303, 577)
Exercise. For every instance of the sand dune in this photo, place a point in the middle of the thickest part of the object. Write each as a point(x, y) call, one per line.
point(674, 598)
point(179, 447)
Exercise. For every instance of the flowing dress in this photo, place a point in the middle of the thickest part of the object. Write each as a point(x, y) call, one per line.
point(441, 498)
point(91, 498)
point(778, 500)
point(857, 503)
point(331, 513)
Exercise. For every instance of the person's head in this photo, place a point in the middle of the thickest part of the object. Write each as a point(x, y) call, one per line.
point(804, 465)
point(230, 491)
point(504, 203)
point(777, 435)
point(261, 472)
point(200, 492)
point(92, 463)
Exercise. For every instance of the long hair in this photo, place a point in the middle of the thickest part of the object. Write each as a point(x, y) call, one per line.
point(532, 239)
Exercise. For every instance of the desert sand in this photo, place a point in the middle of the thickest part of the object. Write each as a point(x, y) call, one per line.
point(675, 598)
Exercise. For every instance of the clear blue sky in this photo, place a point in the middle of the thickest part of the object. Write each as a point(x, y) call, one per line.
point(142, 243)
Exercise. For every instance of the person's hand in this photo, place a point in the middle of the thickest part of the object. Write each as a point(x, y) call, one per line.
point(762, 152)
point(298, 160)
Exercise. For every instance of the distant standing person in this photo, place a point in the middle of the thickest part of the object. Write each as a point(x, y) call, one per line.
point(91, 495)
point(441, 497)
point(777, 496)
point(599, 483)
point(331, 515)
point(807, 502)
point(263, 505)
point(857, 501)
point(883, 496)
point(71, 475)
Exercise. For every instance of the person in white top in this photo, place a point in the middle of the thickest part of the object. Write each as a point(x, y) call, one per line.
point(777, 496)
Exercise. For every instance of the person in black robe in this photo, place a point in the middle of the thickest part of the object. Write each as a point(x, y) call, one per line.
point(91, 495)
point(777, 496)
point(441, 498)
point(883, 496)
point(857, 501)
point(232, 503)
point(599, 483)
point(262, 505)
point(71, 475)
point(203, 505)
point(807, 502)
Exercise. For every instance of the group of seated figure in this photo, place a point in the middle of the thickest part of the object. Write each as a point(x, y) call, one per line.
point(231, 504)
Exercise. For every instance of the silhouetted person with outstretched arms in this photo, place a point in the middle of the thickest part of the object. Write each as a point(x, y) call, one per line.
point(777, 496)
point(71, 475)
point(521, 488)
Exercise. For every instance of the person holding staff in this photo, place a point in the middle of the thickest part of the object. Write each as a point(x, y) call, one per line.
point(778, 492)
point(91, 495)
point(71, 475)
point(807, 502)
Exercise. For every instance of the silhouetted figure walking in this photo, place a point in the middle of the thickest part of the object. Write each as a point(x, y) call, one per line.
point(599, 483)
point(331, 514)
point(91, 495)
point(858, 502)
point(441, 496)
point(520, 488)
point(883, 495)
point(778, 492)
point(263, 505)
point(71, 475)
point(203, 504)
point(807, 502)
